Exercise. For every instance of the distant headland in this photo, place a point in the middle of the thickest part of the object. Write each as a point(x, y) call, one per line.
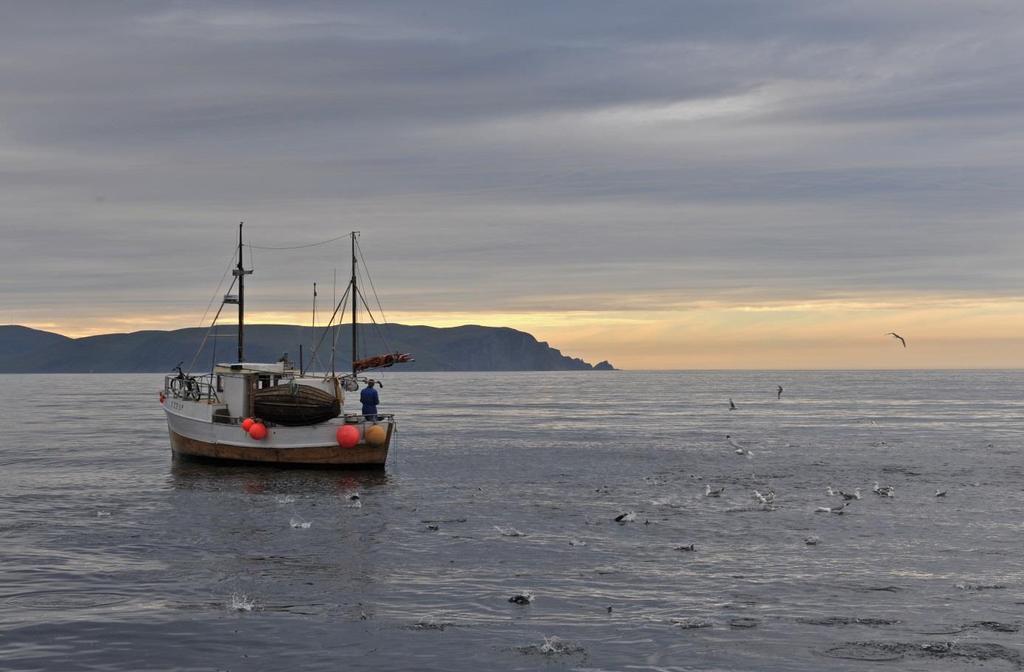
point(465, 348)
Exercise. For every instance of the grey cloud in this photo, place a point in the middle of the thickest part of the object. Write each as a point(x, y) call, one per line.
point(501, 155)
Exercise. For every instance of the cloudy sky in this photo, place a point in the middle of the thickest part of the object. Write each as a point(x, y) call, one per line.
point(707, 184)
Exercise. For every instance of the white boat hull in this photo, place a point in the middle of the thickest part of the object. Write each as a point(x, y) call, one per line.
point(315, 445)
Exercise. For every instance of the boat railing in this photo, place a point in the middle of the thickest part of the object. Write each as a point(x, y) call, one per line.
point(191, 388)
point(376, 417)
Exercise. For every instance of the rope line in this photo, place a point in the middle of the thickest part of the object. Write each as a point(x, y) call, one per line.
point(296, 247)
point(377, 327)
point(359, 249)
point(216, 292)
point(339, 306)
point(209, 329)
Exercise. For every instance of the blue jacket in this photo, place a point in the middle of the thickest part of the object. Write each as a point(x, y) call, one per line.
point(368, 397)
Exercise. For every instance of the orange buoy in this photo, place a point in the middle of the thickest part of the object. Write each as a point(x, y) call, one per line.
point(348, 436)
point(258, 431)
point(376, 435)
point(247, 423)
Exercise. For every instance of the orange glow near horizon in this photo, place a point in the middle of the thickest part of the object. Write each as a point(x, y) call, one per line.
point(941, 332)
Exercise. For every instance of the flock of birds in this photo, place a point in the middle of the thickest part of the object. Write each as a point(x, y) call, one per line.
point(767, 499)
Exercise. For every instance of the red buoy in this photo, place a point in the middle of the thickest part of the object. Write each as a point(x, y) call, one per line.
point(247, 423)
point(258, 431)
point(348, 436)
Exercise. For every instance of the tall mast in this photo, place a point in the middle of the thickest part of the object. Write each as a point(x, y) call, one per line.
point(240, 273)
point(355, 302)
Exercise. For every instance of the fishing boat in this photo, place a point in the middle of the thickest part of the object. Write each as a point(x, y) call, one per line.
point(275, 413)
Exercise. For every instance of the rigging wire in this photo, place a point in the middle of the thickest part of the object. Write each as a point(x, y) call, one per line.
point(209, 329)
point(377, 327)
point(295, 247)
point(216, 292)
point(359, 249)
point(340, 305)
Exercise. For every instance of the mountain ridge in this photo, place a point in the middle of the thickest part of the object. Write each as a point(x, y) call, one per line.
point(462, 348)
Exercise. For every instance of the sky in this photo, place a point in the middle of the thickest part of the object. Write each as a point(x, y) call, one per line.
point(666, 185)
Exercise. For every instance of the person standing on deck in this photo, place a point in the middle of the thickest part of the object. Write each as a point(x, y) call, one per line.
point(369, 399)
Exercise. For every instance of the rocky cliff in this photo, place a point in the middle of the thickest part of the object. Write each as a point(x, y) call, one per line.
point(466, 348)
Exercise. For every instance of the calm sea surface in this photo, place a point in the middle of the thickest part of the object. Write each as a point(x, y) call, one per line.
point(116, 557)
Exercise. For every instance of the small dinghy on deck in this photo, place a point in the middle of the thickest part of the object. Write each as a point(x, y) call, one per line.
point(295, 405)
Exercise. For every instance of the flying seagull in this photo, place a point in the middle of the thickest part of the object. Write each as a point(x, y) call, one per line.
point(898, 337)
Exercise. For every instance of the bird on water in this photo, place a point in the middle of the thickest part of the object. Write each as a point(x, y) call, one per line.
point(732, 406)
point(740, 450)
point(898, 337)
point(779, 389)
point(708, 492)
point(883, 490)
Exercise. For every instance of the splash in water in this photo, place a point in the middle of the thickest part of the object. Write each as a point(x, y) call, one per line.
point(553, 646)
point(242, 602)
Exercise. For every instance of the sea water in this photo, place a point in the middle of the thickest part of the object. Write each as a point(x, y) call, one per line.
point(116, 557)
